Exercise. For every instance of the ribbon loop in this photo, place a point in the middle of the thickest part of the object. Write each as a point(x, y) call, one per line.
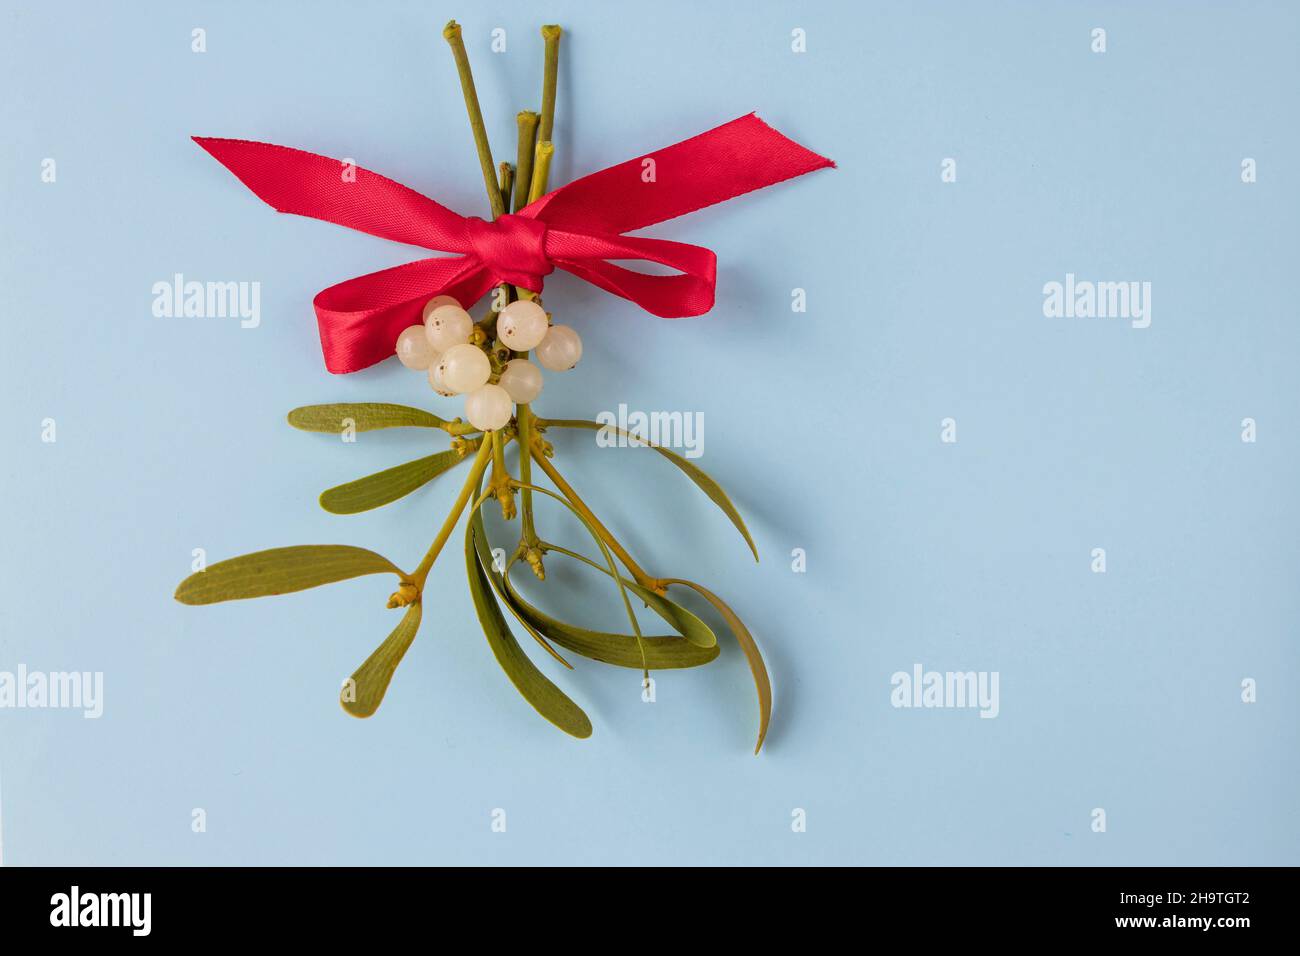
point(578, 227)
point(511, 248)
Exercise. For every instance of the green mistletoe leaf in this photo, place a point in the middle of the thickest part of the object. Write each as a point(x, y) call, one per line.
point(381, 488)
point(698, 475)
point(684, 622)
point(280, 571)
point(546, 698)
point(661, 653)
point(362, 695)
point(485, 558)
point(604, 550)
point(750, 649)
point(364, 416)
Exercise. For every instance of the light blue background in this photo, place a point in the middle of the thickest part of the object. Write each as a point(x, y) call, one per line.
point(1119, 691)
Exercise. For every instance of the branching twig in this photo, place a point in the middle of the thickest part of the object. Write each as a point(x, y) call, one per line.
point(451, 33)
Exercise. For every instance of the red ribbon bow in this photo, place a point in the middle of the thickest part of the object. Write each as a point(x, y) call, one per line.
point(578, 228)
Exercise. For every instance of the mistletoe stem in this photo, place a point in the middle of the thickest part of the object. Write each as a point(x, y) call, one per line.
point(452, 34)
point(545, 147)
point(421, 574)
point(500, 484)
point(541, 169)
point(551, 36)
point(507, 180)
point(536, 157)
point(527, 123)
point(457, 428)
point(528, 537)
point(643, 579)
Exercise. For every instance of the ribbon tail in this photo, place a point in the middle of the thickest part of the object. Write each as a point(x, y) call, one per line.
point(306, 184)
point(669, 297)
point(360, 319)
point(723, 163)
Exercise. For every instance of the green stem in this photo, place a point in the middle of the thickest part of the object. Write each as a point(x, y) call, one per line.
point(498, 459)
point(451, 33)
point(551, 36)
point(541, 169)
point(500, 484)
point(458, 428)
point(507, 181)
point(638, 574)
point(527, 147)
point(421, 574)
point(524, 418)
point(527, 123)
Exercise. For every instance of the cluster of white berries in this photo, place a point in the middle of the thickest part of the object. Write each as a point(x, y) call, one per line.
point(442, 347)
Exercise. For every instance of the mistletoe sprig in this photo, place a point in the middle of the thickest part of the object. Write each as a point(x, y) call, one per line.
point(502, 447)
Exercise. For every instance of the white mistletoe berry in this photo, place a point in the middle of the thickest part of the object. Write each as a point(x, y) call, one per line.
point(488, 408)
point(522, 380)
point(560, 350)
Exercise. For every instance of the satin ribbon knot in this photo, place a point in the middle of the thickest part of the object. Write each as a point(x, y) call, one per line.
point(579, 228)
point(512, 248)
